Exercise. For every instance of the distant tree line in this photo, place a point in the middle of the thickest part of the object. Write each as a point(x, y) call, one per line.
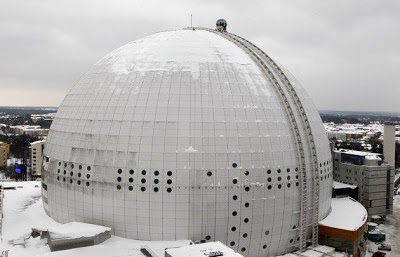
point(358, 118)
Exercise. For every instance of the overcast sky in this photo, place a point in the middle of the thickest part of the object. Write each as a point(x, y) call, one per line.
point(344, 52)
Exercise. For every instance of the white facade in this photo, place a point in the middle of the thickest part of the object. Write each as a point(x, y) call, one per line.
point(181, 135)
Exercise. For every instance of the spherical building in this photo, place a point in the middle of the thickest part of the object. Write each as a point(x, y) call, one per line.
point(191, 134)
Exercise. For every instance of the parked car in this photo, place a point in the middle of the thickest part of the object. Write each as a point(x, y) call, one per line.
point(376, 236)
point(379, 254)
point(385, 247)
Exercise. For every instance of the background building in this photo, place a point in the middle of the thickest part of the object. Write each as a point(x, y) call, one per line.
point(191, 134)
point(36, 157)
point(389, 144)
point(4, 153)
point(373, 177)
point(30, 130)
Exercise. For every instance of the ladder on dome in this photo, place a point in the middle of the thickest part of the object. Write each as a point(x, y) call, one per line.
point(262, 58)
point(1, 209)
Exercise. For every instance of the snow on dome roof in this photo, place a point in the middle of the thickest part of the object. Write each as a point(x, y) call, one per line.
point(169, 50)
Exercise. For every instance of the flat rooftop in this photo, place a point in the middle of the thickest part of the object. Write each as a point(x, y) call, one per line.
point(346, 214)
point(358, 153)
point(340, 185)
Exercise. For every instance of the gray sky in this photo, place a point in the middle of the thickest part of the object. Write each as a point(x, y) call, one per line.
point(344, 52)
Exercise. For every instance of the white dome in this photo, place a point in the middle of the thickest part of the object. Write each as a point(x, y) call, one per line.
point(181, 135)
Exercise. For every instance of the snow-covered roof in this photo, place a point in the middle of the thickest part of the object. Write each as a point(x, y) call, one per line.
point(346, 213)
point(76, 230)
point(38, 142)
point(340, 185)
point(312, 253)
point(203, 250)
point(358, 153)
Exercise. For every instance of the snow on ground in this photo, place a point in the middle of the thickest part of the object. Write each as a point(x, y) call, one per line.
point(392, 229)
point(23, 210)
point(202, 250)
